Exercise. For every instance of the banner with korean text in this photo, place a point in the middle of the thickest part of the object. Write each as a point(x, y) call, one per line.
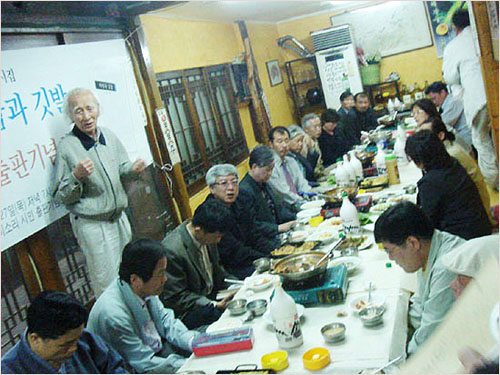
point(34, 83)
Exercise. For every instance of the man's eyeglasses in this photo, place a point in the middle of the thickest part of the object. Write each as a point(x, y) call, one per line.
point(225, 184)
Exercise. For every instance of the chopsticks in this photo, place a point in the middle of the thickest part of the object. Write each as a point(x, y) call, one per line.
point(387, 364)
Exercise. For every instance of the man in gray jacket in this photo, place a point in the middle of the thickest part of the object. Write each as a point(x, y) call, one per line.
point(90, 164)
point(130, 317)
point(409, 239)
point(195, 273)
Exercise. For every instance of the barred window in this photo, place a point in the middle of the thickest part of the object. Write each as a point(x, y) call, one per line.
point(202, 109)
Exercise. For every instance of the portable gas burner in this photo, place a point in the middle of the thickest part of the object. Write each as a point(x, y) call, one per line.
point(329, 289)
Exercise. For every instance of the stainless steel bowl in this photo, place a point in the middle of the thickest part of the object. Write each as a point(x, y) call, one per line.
point(262, 264)
point(372, 316)
point(237, 306)
point(258, 306)
point(333, 332)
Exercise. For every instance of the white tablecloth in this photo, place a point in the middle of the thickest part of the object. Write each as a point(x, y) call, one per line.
point(363, 347)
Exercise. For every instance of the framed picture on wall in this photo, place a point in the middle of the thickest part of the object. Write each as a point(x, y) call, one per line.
point(274, 72)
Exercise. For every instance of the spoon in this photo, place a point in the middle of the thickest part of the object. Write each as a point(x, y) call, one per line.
point(232, 281)
point(250, 317)
point(369, 294)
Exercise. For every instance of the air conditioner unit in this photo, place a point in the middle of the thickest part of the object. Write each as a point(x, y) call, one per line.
point(337, 63)
point(332, 37)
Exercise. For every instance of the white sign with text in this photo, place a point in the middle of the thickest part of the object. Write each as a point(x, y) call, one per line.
point(34, 83)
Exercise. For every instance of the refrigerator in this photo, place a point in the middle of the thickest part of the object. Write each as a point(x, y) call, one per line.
point(337, 63)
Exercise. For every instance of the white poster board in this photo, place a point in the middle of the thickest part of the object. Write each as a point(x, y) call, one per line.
point(390, 28)
point(34, 83)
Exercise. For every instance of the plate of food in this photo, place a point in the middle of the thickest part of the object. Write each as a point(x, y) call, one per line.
point(307, 214)
point(374, 182)
point(359, 303)
point(325, 236)
point(380, 208)
point(360, 242)
point(313, 204)
point(291, 249)
point(333, 222)
point(269, 319)
point(259, 282)
point(298, 236)
point(350, 262)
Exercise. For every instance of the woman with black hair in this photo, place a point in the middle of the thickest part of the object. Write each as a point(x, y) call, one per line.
point(423, 111)
point(445, 192)
point(456, 151)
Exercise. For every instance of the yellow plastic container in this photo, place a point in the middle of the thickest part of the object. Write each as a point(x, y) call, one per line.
point(278, 361)
point(316, 358)
point(315, 221)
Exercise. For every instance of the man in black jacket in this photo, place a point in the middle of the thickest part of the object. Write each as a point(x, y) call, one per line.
point(332, 141)
point(360, 118)
point(236, 253)
point(194, 271)
point(258, 200)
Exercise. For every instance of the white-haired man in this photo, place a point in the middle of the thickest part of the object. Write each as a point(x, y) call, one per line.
point(90, 165)
point(235, 247)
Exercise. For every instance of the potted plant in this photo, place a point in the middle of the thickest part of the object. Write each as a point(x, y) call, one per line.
point(369, 67)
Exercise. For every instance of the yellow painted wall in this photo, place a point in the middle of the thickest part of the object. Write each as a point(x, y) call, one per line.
point(263, 38)
point(176, 45)
point(179, 44)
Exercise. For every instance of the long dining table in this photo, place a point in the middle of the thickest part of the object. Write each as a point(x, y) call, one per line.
point(363, 347)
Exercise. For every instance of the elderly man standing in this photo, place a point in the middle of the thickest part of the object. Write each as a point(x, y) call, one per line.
point(55, 341)
point(409, 239)
point(131, 318)
point(195, 273)
point(271, 215)
point(90, 165)
point(287, 177)
point(452, 111)
point(311, 123)
point(235, 249)
point(462, 70)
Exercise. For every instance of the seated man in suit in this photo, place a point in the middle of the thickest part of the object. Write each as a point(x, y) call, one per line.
point(332, 140)
point(360, 118)
point(346, 103)
point(295, 143)
point(194, 271)
point(55, 341)
point(130, 317)
point(235, 249)
point(409, 239)
point(256, 198)
point(311, 124)
point(287, 178)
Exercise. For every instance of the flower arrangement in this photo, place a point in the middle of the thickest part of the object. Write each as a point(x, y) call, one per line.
point(369, 59)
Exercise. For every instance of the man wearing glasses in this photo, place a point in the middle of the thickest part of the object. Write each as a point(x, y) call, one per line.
point(410, 240)
point(236, 254)
point(287, 178)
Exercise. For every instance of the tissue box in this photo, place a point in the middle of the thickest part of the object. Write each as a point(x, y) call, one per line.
point(230, 340)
